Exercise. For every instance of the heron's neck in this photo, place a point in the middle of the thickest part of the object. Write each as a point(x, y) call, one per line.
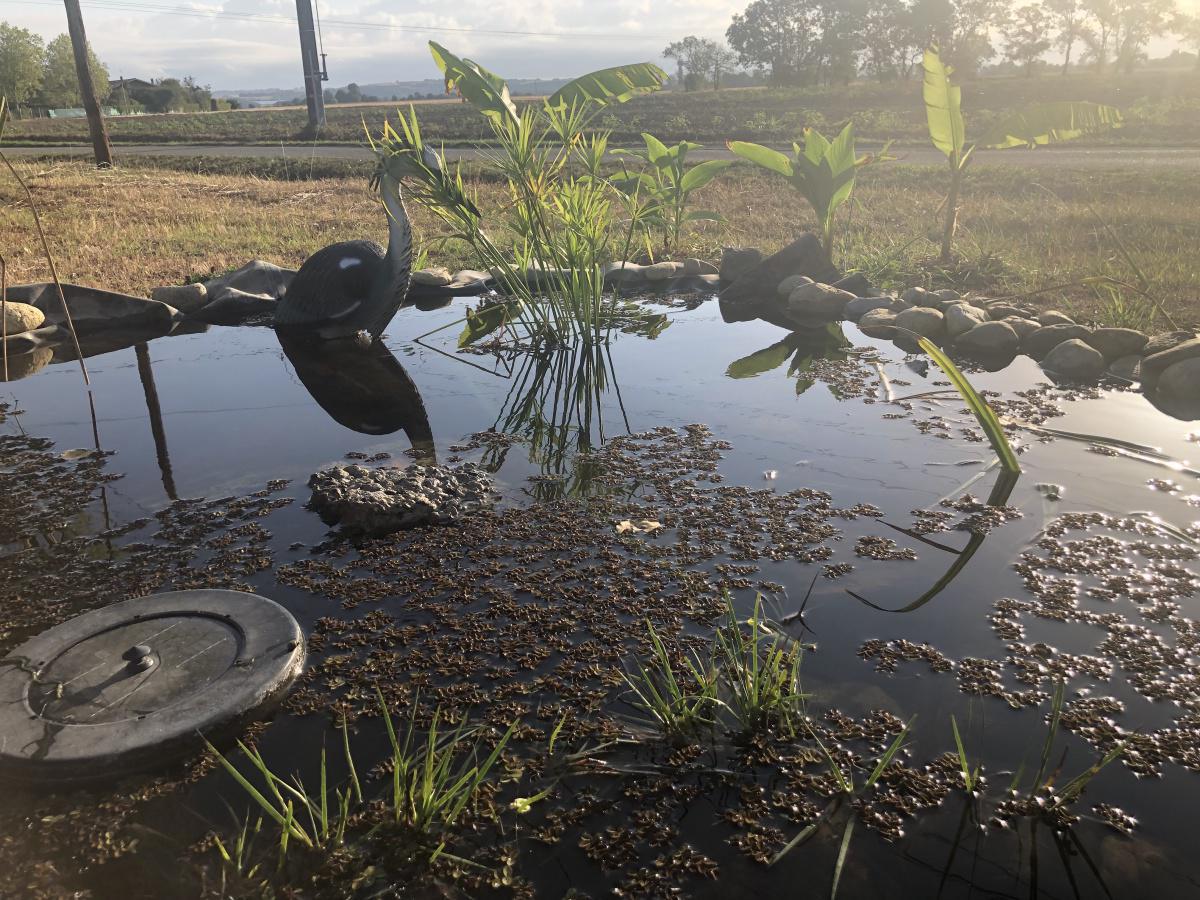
point(398, 260)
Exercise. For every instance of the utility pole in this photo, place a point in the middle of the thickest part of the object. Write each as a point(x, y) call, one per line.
point(313, 75)
point(91, 104)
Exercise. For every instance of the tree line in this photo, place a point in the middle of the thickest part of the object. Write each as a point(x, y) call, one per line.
point(38, 74)
point(797, 42)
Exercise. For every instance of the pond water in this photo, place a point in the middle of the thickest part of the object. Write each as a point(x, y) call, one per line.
point(224, 412)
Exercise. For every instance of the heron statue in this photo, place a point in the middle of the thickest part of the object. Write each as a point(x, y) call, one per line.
point(354, 288)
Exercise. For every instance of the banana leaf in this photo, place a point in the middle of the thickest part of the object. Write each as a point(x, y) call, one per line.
point(610, 86)
point(943, 107)
point(484, 90)
point(1050, 123)
point(761, 360)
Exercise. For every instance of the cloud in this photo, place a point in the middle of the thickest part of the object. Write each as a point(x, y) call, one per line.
point(231, 52)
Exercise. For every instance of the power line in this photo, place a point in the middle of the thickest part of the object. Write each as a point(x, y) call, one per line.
point(132, 6)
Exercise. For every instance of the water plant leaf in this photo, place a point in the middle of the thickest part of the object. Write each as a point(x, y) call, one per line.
point(484, 90)
point(760, 361)
point(482, 322)
point(943, 107)
point(1050, 123)
point(606, 87)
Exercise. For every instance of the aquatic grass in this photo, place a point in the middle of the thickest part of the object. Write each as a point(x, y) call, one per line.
point(680, 705)
point(987, 418)
point(970, 776)
point(760, 674)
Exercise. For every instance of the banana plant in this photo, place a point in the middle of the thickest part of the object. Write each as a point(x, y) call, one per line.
point(663, 189)
point(823, 171)
point(1036, 125)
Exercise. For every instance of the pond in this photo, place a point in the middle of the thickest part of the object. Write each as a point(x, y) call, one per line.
point(825, 471)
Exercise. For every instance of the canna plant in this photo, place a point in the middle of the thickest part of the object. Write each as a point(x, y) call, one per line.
point(559, 216)
point(659, 194)
point(823, 171)
point(1037, 125)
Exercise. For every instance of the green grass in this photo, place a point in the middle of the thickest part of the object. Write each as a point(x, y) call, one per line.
point(1163, 107)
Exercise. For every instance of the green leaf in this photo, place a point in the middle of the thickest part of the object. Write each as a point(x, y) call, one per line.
point(1050, 123)
point(703, 215)
point(761, 361)
point(484, 90)
point(763, 157)
point(610, 86)
point(943, 107)
point(698, 176)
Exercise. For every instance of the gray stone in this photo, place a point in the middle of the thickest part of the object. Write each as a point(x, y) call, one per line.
point(918, 296)
point(923, 321)
point(1117, 342)
point(948, 295)
point(744, 299)
point(377, 501)
point(187, 298)
point(623, 273)
point(961, 318)
point(1074, 360)
point(1006, 310)
point(1153, 366)
point(1023, 327)
point(256, 277)
point(1161, 342)
point(857, 284)
point(859, 305)
point(22, 365)
point(878, 323)
point(694, 266)
point(1038, 343)
point(816, 304)
point(1180, 381)
point(21, 317)
point(107, 693)
point(1054, 317)
point(737, 261)
point(989, 339)
point(663, 271)
point(93, 309)
point(792, 282)
point(436, 276)
point(1127, 368)
point(234, 307)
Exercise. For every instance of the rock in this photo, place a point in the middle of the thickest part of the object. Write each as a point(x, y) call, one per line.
point(1153, 366)
point(1161, 342)
point(93, 309)
point(235, 307)
point(377, 501)
point(21, 365)
point(816, 304)
point(918, 296)
point(1127, 368)
point(742, 300)
point(989, 339)
point(187, 298)
point(256, 277)
point(694, 266)
point(1022, 326)
point(1054, 317)
point(926, 322)
point(623, 273)
point(737, 261)
point(857, 284)
point(948, 295)
point(878, 323)
point(1180, 382)
point(1075, 360)
point(1006, 310)
point(20, 317)
point(663, 271)
point(1038, 343)
point(859, 305)
point(437, 276)
point(1117, 342)
point(961, 318)
point(790, 283)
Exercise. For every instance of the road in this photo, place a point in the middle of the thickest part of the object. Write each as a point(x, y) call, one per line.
point(1057, 157)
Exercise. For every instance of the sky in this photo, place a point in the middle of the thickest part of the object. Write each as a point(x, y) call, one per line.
point(151, 39)
point(141, 38)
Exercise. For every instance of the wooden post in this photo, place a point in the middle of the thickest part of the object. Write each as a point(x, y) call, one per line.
point(91, 104)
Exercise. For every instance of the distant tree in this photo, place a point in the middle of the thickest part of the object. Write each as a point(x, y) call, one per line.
point(1187, 28)
point(888, 43)
point(692, 56)
point(1069, 21)
point(1103, 24)
point(1028, 37)
point(60, 81)
point(1138, 22)
point(22, 55)
point(773, 36)
point(721, 61)
point(962, 29)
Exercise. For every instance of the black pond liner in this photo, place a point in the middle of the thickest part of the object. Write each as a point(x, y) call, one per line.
point(806, 485)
